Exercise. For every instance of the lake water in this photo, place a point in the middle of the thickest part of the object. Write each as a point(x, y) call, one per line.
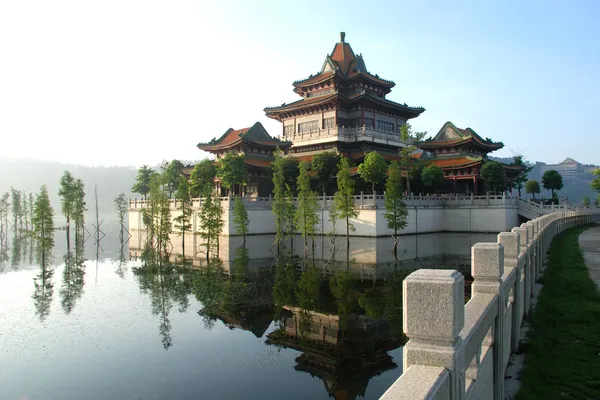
point(95, 324)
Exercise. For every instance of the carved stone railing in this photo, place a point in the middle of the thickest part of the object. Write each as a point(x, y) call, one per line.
point(345, 134)
point(460, 351)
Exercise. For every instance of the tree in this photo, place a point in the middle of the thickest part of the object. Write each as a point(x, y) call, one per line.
point(157, 217)
point(597, 202)
point(211, 224)
point(121, 206)
point(552, 180)
point(432, 177)
point(325, 166)
point(307, 211)
point(43, 223)
point(15, 207)
point(240, 219)
point(142, 181)
point(202, 178)
point(395, 209)
point(492, 173)
point(585, 201)
point(373, 169)
point(532, 187)
point(66, 193)
point(343, 201)
point(596, 182)
point(78, 208)
point(172, 175)
point(183, 221)
point(410, 139)
point(232, 170)
point(279, 199)
point(521, 179)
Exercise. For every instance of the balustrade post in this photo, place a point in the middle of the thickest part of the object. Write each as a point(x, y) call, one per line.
point(433, 316)
point(531, 255)
point(374, 198)
point(361, 198)
point(487, 268)
point(512, 247)
point(525, 268)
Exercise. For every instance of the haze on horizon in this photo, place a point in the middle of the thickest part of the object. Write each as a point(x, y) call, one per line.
point(134, 82)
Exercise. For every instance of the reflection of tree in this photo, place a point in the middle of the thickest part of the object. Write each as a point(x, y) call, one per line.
point(209, 289)
point(43, 291)
point(121, 265)
point(3, 252)
point(167, 287)
point(73, 280)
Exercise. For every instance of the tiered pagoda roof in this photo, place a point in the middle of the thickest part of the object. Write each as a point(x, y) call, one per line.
point(343, 81)
point(255, 135)
point(451, 136)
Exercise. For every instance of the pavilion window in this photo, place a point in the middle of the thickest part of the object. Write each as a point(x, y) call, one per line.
point(310, 126)
point(385, 126)
point(288, 130)
point(328, 123)
point(369, 123)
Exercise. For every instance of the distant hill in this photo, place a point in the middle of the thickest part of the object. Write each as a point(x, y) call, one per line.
point(574, 189)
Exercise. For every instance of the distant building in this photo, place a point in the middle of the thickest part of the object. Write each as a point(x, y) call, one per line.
point(569, 168)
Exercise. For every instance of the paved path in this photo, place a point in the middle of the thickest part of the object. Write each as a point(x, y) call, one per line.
point(589, 243)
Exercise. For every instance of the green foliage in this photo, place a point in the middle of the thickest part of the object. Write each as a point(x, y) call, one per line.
point(343, 200)
point(373, 169)
point(4, 207)
point(211, 224)
point(432, 177)
point(596, 182)
point(308, 288)
point(585, 201)
point(202, 178)
point(142, 181)
point(521, 179)
point(291, 169)
point(43, 222)
point(597, 202)
point(157, 217)
point(172, 176)
point(15, 207)
point(395, 209)
point(78, 207)
point(121, 206)
point(67, 195)
point(282, 195)
point(307, 212)
point(325, 166)
point(552, 180)
point(493, 175)
point(372, 301)
point(410, 139)
point(240, 218)
point(532, 187)
point(183, 222)
point(232, 170)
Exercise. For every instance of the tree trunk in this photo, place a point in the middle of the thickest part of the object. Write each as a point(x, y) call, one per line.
point(347, 243)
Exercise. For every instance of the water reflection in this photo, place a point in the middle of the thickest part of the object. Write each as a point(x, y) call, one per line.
point(43, 288)
point(73, 278)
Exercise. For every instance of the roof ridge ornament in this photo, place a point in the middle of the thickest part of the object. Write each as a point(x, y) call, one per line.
point(342, 37)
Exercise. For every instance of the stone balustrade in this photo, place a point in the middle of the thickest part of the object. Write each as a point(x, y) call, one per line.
point(461, 351)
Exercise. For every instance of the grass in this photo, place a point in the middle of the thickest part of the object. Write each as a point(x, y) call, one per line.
point(562, 350)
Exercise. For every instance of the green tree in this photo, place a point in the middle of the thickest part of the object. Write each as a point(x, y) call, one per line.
point(373, 169)
point(432, 177)
point(585, 201)
point(307, 211)
point(291, 170)
point(232, 170)
point(183, 220)
point(211, 224)
point(597, 202)
point(241, 221)
point(521, 179)
point(410, 139)
point(596, 182)
point(395, 209)
point(43, 223)
point(157, 217)
point(24, 209)
point(343, 201)
point(202, 178)
point(66, 193)
point(172, 176)
point(552, 180)
point(142, 181)
point(121, 206)
point(4, 207)
point(79, 208)
point(279, 205)
point(15, 207)
point(325, 166)
point(532, 187)
point(493, 175)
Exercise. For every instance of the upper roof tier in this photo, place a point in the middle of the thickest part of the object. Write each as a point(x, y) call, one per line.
point(451, 136)
point(343, 78)
point(256, 135)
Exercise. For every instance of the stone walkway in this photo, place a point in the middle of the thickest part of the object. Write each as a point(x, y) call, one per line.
point(589, 243)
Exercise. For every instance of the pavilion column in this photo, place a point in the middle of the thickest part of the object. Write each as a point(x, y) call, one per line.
point(475, 191)
point(455, 185)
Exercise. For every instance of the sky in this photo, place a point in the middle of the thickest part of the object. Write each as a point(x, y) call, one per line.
point(130, 82)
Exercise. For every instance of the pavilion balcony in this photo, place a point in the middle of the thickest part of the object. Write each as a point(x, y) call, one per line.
point(340, 134)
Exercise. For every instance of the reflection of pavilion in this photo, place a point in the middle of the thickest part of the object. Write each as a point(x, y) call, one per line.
point(257, 324)
point(345, 360)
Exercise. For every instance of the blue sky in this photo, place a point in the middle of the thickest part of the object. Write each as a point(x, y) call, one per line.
point(151, 79)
